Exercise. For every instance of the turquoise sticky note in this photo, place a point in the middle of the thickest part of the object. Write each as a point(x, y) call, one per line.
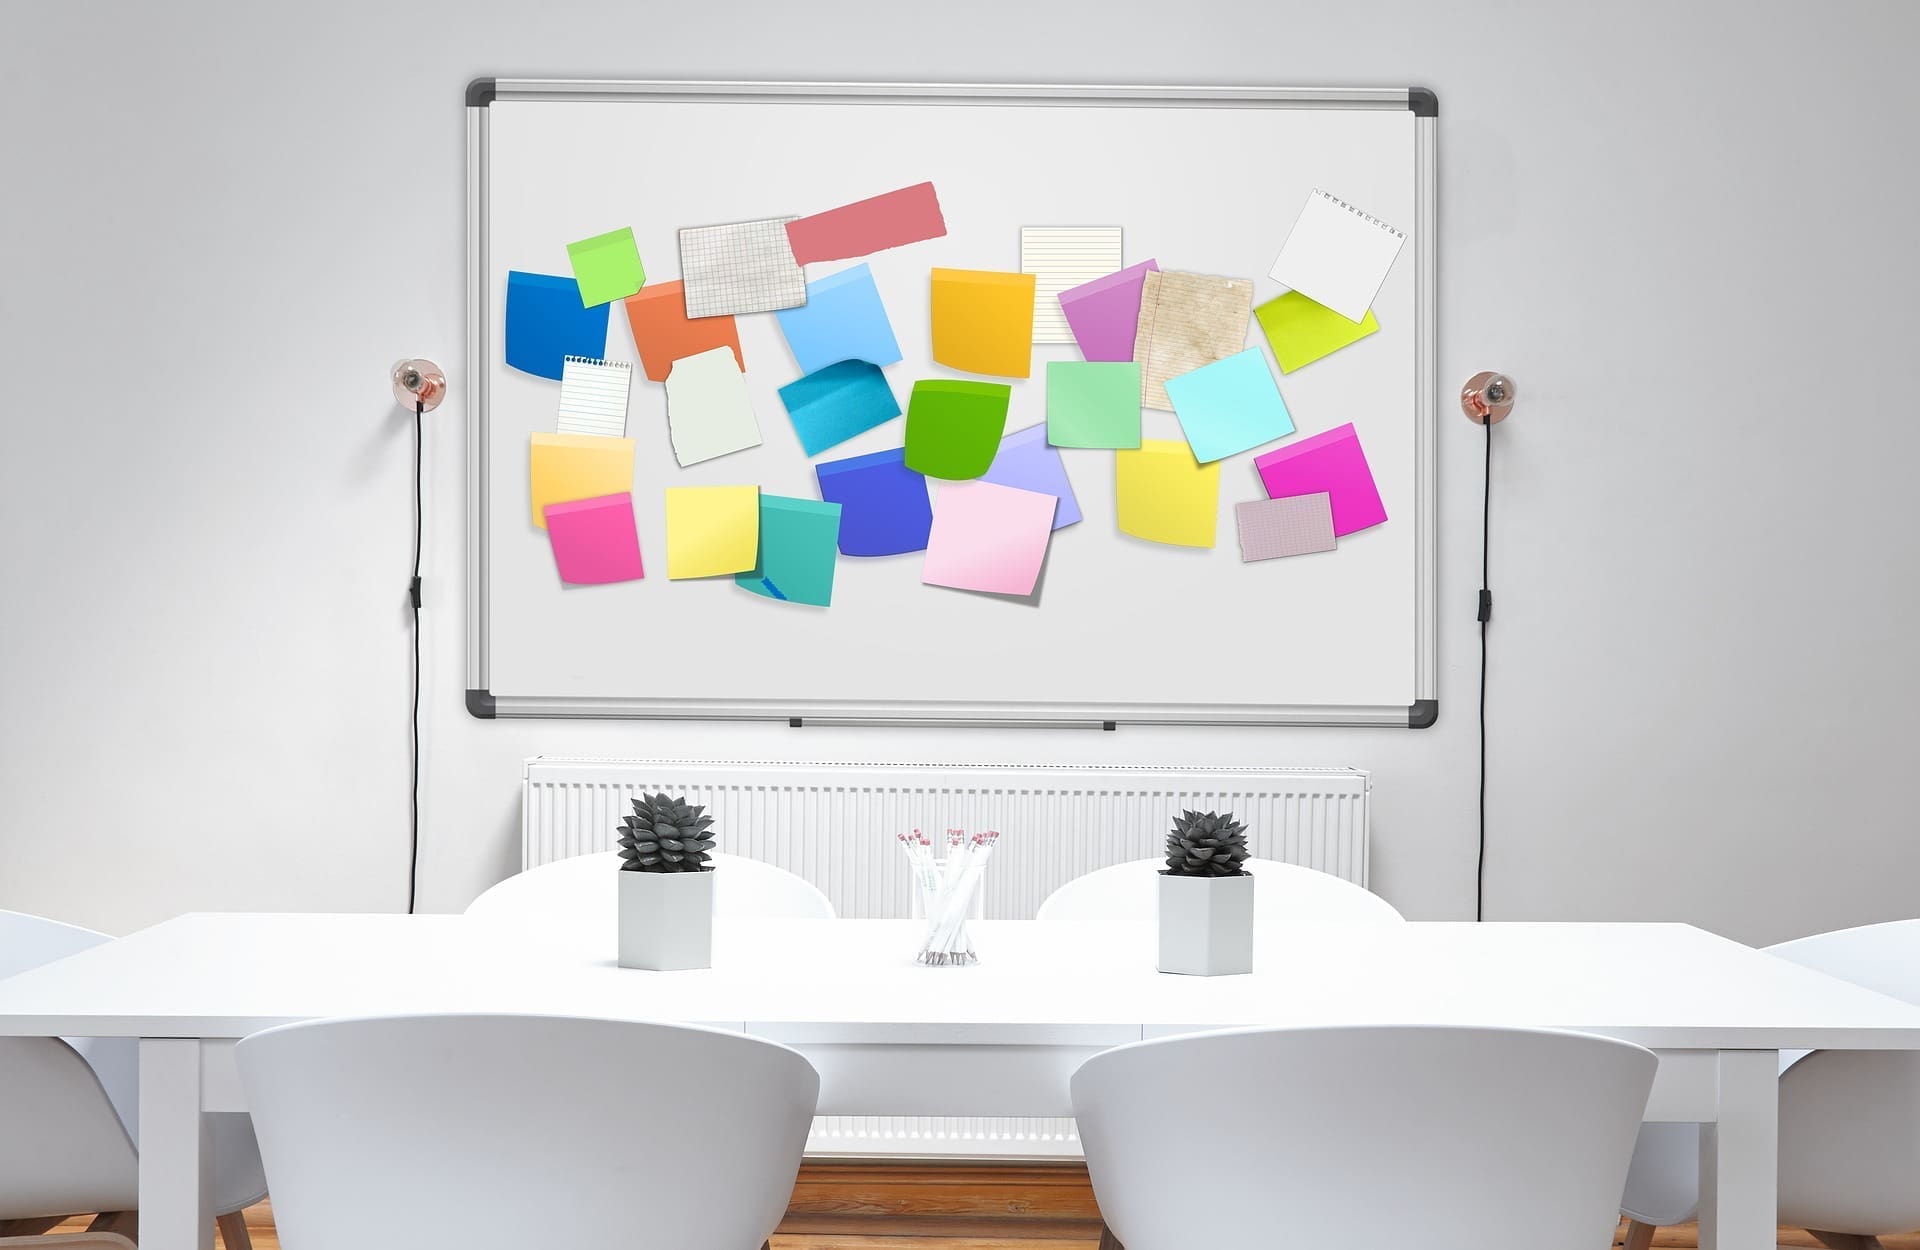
point(843, 319)
point(546, 324)
point(799, 539)
point(1229, 406)
point(831, 405)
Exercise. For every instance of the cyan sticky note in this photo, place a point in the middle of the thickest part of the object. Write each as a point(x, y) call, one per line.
point(884, 508)
point(1027, 462)
point(831, 405)
point(1229, 406)
point(799, 539)
point(843, 319)
point(546, 324)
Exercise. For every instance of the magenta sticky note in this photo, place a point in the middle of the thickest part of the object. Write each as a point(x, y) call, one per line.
point(1104, 314)
point(1330, 463)
point(594, 541)
point(988, 537)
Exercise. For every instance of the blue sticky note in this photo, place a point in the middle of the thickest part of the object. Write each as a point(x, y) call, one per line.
point(798, 541)
point(843, 319)
point(546, 324)
point(1229, 406)
point(831, 405)
point(1027, 462)
point(884, 509)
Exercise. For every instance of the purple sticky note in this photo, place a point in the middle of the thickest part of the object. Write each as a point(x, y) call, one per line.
point(883, 504)
point(1104, 314)
point(594, 541)
point(1026, 462)
point(1331, 463)
point(1294, 526)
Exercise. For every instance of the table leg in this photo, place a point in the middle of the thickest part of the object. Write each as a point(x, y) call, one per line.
point(1740, 1155)
point(176, 1194)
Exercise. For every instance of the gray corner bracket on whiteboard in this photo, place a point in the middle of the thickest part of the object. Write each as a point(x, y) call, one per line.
point(1394, 651)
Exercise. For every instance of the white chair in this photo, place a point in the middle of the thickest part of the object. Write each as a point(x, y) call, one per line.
point(1849, 1120)
point(1380, 1136)
point(1123, 895)
point(562, 889)
point(69, 1116)
point(505, 1132)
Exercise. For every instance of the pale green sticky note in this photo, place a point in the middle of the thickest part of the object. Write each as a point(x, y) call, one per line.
point(1093, 403)
point(607, 267)
point(1301, 331)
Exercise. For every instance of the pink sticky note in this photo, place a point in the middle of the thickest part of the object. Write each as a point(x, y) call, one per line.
point(1104, 314)
point(988, 537)
point(594, 540)
point(867, 226)
point(1331, 463)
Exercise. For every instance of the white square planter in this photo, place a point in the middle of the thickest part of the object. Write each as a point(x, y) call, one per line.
point(1206, 925)
point(666, 920)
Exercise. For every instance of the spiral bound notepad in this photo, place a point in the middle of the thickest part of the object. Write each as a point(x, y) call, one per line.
point(1337, 255)
point(593, 396)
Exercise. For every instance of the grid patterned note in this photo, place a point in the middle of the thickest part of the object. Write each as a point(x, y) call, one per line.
point(1187, 320)
point(593, 396)
point(1295, 526)
point(1061, 258)
point(745, 267)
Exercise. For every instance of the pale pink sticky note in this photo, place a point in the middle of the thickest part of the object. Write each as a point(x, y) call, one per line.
point(1331, 463)
point(988, 537)
point(1104, 314)
point(594, 540)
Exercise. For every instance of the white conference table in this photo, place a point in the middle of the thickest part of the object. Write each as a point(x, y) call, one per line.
point(1001, 1038)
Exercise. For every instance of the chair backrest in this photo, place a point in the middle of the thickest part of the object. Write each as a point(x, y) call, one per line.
point(62, 1147)
point(741, 887)
point(1365, 1136)
point(29, 941)
point(1883, 957)
point(436, 1131)
point(1124, 895)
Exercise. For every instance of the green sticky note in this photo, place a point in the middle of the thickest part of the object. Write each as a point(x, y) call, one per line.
point(799, 541)
point(954, 428)
point(1301, 331)
point(1093, 403)
point(607, 267)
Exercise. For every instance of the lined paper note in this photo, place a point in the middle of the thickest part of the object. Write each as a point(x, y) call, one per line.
point(744, 267)
point(593, 396)
point(1296, 526)
point(1061, 258)
point(1337, 255)
point(1187, 320)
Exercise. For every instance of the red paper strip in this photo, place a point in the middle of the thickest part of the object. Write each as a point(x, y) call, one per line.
point(867, 226)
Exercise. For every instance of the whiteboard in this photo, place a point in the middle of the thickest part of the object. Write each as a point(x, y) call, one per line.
point(1120, 630)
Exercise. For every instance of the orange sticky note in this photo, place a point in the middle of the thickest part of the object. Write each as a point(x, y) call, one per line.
point(663, 333)
point(565, 467)
point(983, 321)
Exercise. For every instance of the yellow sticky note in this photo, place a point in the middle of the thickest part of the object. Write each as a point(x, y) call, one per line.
point(567, 467)
point(712, 530)
point(983, 321)
point(1301, 331)
point(1164, 495)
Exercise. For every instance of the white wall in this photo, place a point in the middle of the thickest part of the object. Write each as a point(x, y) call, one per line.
point(1685, 229)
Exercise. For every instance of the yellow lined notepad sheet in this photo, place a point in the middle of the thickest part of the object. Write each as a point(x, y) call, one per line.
point(1060, 258)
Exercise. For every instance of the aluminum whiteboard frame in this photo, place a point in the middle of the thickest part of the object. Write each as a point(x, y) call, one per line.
point(1421, 714)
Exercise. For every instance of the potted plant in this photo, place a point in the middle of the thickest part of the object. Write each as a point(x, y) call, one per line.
point(666, 885)
point(1206, 897)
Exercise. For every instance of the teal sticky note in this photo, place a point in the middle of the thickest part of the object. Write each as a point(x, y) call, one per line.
point(1229, 406)
point(843, 319)
point(799, 540)
point(831, 405)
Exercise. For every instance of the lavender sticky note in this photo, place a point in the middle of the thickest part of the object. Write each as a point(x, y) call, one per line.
point(884, 510)
point(1104, 314)
point(1331, 463)
point(1026, 461)
point(1295, 526)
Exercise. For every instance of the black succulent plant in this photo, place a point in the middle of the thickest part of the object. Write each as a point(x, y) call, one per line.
point(1206, 845)
point(665, 835)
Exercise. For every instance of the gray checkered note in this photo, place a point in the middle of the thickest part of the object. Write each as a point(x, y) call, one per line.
point(745, 267)
point(1294, 526)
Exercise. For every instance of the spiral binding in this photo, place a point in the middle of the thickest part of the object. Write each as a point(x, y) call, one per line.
point(591, 360)
point(1362, 214)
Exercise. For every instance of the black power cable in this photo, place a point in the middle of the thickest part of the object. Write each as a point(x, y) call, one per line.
point(1486, 615)
point(413, 596)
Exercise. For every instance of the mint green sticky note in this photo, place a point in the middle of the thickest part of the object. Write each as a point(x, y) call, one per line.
point(954, 428)
point(607, 267)
point(1093, 403)
point(799, 541)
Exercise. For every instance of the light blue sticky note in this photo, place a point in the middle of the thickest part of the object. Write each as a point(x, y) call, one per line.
point(1229, 406)
point(843, 319)
point(546, 324)
point(831, 405)
point(1027, 462)
point(799, 541)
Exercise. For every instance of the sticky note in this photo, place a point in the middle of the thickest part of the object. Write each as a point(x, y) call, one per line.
point(566, 467)
point(1331, 463)
point(712, 531)
point(1060, 258)
point(1229, 406)
point(546, 323)
point(708, 411)
point(663, 333)
point(1272, 528)
point(593, 396)
point(1301, 331)
point(1337, 254)
point(1104, 314)
point(1027, 462)
point(868, 226)
point(983, 321)
point(831, 405)
point(884, 509)
point(1093, 404)
point(594, 541)
point(799, 539)
point(1164, 496)
point(988, 537)
point(741, 267)
point(607, 266)
point(954, 427)
point(843, 319)
point(1187, 320)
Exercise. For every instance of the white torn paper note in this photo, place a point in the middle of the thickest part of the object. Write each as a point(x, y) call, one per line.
point(708, 411)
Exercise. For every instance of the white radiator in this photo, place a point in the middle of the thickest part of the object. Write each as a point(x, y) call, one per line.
point(834, 824)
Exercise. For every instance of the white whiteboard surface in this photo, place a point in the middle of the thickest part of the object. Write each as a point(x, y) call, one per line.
point(1121, 629)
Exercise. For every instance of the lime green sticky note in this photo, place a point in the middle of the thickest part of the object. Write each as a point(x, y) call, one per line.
point(1301, 331)
point(1093, 403)
point(954, 428)
point(607, 267)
